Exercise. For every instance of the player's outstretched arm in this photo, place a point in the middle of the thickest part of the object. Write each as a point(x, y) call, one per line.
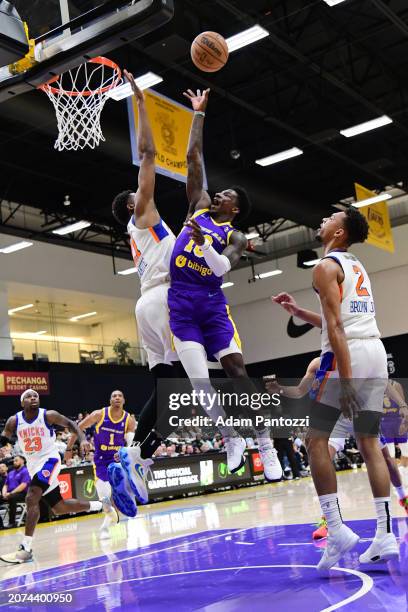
point(295, 391)
point(146, 213)
point(197, 197)
point(55, 418)
point(288, 302)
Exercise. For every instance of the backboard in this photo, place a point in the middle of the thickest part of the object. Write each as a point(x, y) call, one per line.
point(67, 33)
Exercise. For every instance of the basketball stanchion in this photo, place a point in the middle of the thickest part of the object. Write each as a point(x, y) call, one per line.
point(79, 97)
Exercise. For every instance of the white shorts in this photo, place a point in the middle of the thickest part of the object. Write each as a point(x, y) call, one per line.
point(369, 370)
point(46, 469)
point(342, 430)
point(152, 315)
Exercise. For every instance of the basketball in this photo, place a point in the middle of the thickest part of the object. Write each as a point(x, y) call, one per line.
point(209, 51)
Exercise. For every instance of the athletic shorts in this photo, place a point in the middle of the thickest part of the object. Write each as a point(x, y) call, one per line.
point(152, 315)
point(398, 440)
point(202, 316)
point(342, 430)
point(44, 473)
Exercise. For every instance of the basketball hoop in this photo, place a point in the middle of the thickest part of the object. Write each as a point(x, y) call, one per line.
point(79, 96)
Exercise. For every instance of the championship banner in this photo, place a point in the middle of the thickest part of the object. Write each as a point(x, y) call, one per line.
point(170, 123)
point(14, 383)
point(380, 232)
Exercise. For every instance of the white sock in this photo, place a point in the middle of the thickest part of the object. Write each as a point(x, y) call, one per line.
point(95, 506)
point(400, 492)
point(382, 508)
point(331, 510)
point(27, 541)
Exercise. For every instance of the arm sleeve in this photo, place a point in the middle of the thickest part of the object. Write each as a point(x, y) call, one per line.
point(219, 263)
point(129, 436)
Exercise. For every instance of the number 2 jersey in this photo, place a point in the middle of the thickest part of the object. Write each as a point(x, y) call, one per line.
point(356, 301)
point(36, 439)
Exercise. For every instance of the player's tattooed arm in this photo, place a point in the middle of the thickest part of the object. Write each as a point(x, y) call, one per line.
point(55, 418)
point(146, 213)
point(236, 247)
point(197, 197)
point(7, 433)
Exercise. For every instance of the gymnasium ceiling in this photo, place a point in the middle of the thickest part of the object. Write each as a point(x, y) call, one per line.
point(321, 69)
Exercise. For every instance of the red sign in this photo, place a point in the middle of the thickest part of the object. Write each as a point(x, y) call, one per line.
point(65, 485)
point(14, 383)
point(257, 464)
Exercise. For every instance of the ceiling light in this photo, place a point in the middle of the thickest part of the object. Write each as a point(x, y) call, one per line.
point(45, 338)
point(278, 157)
point(333, 2)
point(74, 227)
point(17, 246)
point(143, 82)
point(41, 332)
point(268, 274)
point(127, 271)
point(246, 37)
point(311, 262)
point(306, 256)
point(380, 198)
point(366, 127)
point(227, 284)
point(83, 316)
point(251, 235)
point(13, 310)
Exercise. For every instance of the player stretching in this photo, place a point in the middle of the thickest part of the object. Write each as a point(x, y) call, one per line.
point(352, 354)
point(208, 247)
point(114, 428)
point(341, 431)
point(152, 243)
point(36, 437)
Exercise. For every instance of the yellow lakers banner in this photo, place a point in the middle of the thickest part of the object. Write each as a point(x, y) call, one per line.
point(170, 122)
point(380, 232)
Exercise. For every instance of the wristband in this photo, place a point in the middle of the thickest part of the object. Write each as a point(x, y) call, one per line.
point(201, 113)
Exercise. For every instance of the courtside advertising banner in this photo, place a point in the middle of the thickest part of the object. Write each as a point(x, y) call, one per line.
point(14, 383)
point(170, 123)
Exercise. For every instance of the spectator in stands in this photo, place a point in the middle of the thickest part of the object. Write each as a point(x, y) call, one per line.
point(65, 434)
point(3, 476)
point(15, 488)
point(76, 459)
point(161, 451)
point(7, 455)
point(60, 444)
point(171, 451)
point(189, 449)
point(80, 417)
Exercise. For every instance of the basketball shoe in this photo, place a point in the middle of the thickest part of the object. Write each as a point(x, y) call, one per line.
point(321, 531)
point(382, 548)
point(235, 447)
point(122, 494)
point(22, 555)
point(404, 503)
point(136, 469)
point(343, 540)
point(272, 467)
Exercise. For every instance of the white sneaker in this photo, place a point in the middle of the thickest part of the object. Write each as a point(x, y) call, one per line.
point(382, 548)
point(21, 556)
point(111, 513)
point(272, 467)
point(338, 544)
point(235, 448)
point(136, 469)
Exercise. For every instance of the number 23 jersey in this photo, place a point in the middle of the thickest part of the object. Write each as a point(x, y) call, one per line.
point(356, 301)
point(36, 439)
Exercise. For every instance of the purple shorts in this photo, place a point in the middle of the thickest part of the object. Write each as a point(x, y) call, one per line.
point(200, 315)
point(398, 440)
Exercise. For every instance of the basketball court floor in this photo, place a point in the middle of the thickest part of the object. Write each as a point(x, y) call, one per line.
point(245, 549)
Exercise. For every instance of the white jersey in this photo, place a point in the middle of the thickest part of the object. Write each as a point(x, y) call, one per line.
point(151, 251)
point(357, 302)
point(36, 440)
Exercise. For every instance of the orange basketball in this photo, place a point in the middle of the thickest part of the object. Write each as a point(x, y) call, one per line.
point(209, 51)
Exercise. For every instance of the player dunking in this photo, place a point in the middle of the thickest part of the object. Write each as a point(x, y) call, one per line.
point(352, 353)
point(114, 428)
point(36, 437)
point(342, 429)
point(152, 243)
point(208, 247)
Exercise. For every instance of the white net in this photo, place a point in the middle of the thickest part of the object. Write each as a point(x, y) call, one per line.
point(79, 97)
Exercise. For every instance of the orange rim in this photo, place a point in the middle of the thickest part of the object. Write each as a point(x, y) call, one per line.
point(95, 60)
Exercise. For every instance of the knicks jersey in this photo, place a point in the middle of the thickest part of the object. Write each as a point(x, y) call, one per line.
point(151, 251)
point(36, 439)
point(357, 302)
point(109, 436)
point(188, 266)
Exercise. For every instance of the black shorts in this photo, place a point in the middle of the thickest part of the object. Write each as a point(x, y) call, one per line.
point(323, 418)
point(53, 497)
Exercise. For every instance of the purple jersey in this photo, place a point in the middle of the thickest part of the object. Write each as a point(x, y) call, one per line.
point(187, 265)
point(108, 439)
point(198, 309)
point(391, 421)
